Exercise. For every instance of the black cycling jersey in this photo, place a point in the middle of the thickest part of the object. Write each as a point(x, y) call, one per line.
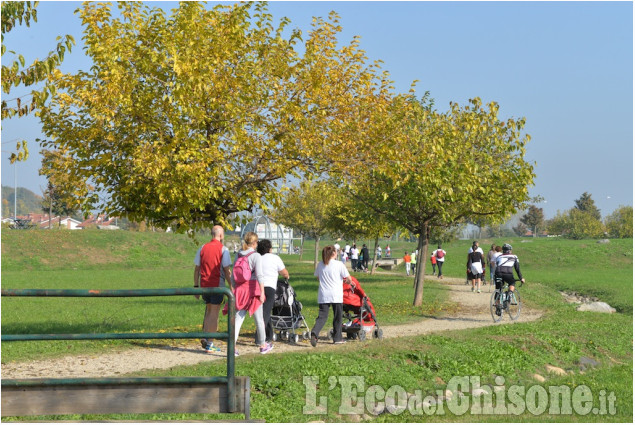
point(505, 266)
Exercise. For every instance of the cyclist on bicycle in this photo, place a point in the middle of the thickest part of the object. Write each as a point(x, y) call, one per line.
point(506, 263)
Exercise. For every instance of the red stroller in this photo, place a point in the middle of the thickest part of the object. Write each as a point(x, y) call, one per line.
point(359, 318)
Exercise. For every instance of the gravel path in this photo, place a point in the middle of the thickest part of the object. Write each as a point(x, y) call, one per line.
point(472, 312)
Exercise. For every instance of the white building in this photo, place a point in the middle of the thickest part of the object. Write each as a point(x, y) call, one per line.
point(281, 237)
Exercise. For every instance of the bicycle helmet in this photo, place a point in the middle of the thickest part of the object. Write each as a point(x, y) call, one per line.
point(507, 248)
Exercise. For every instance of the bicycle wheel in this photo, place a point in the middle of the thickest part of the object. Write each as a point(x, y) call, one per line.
point(493, 307)
point(513, 305)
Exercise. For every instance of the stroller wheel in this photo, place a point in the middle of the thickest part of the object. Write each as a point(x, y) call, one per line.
point(295, 338)
point(306, 335)
point(362, 335)
point(378, 333)
point(284, 335)
point(274, 337)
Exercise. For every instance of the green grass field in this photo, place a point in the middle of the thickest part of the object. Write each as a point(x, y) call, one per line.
point(122, 260)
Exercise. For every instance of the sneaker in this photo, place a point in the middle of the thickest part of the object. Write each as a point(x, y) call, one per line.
point(204, 343)
point(341, 341)
point(478, 291)
point(211, 348)
point(267, 348)
point(498, 311)
point(472, 289)
point(236, 353)
point(313, 340)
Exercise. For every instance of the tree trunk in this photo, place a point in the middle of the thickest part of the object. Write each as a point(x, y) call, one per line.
point(301, 247)
point(422, 255)
point(317, 250)
point(374, 265)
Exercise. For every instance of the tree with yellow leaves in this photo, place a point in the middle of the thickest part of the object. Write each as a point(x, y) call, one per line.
point(308, 208)
point(444, 168)
point(186, 118)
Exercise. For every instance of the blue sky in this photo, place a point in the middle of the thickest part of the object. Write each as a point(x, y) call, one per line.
point(567, 67)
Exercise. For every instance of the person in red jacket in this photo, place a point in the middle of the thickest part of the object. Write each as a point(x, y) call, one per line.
point(211, 270)
point(407, 259)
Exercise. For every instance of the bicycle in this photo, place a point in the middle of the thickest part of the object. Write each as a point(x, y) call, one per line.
point(503, 301)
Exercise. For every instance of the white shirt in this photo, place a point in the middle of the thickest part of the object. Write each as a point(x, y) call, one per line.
point(442, 259)
point(271, 266)
point(506, 260)
point(495, 255)
point(331, 281)
point(337, 247)
point(347, 248)
point(354, 253)
point(469, 251)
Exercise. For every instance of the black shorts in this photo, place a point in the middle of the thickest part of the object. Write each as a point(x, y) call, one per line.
point(473, 276)
point(215, 299)
point(501, 279)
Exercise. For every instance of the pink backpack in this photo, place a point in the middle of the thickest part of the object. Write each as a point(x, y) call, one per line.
point(242, 271)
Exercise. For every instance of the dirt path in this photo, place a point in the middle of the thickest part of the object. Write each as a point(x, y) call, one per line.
point(473, 312)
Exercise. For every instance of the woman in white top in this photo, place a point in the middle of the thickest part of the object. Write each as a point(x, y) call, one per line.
point(354, 257)
point(491, 260)
point(332, 275)
point(272, 266)
point(440, 254)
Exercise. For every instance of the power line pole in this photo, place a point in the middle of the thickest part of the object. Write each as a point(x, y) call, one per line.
point(15, 191)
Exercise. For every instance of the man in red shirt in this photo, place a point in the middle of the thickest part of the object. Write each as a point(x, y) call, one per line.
point(211, 270)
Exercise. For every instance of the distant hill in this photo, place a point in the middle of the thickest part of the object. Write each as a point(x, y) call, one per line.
point(28, 202)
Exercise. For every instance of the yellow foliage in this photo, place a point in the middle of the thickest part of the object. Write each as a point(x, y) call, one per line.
point(176, 105)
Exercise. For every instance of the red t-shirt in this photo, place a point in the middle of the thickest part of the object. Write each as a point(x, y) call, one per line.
point(211, 267)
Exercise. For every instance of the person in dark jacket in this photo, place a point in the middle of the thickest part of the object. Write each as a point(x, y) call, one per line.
point(475, 267)
point(365, 255)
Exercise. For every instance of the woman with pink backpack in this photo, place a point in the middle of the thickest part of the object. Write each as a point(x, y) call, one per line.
point(247, 277)
point(439, 255)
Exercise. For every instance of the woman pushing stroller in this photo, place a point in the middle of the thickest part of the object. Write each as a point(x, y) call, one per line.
point(330, 273)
